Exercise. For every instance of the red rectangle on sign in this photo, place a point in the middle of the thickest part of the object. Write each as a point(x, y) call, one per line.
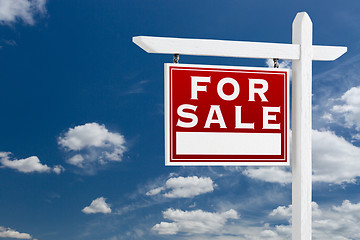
point(222, 115)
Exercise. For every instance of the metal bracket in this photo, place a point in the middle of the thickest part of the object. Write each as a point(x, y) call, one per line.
point(176, 58)
point(276, 62)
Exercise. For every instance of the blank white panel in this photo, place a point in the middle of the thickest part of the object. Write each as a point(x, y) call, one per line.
point(215, 143)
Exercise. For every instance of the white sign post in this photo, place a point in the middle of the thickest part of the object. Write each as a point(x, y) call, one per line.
point(302, 53)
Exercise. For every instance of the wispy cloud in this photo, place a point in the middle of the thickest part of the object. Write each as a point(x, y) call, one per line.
point(91, 146)
point(28, 165)
point(329, 88)
point(138, 87)
point(10, 42)
point(12, 11)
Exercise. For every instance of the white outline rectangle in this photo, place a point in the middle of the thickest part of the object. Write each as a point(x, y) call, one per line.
point(215, 143)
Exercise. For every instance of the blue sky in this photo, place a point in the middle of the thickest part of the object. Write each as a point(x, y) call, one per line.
point(82, 136)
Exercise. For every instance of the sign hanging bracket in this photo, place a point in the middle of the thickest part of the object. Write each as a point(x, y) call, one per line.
point(276, 62)
point(176, 58)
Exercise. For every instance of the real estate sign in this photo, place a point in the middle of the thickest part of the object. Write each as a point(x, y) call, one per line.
point(223, 115)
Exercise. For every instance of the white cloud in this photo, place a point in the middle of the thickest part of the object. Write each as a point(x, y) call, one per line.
point(97, 206)
point(24, 10)
point(327, 92)
point(27, 165)
point(268, 234)
point(336, 223)
point(76, 160)
point(328, 117)
point(285, 212)
point(166, 228)
point(58, 169)
point(10, 233)
point(350, 107)
point(356, 136)
point(193, 222)
point(92, 144)
point(330, 223)
point(334, 161)
point(184, 187)
point(269, 174)
point(282, 212)
point(90, 135)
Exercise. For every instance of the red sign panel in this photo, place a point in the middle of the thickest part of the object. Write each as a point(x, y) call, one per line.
point(221, 115)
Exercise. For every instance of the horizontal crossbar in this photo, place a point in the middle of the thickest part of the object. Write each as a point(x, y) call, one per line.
point(240, 49)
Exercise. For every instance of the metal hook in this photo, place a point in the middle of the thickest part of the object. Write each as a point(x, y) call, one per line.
point(176, 58)
point(276, 62)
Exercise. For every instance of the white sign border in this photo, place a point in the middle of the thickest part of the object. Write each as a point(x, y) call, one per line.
point(167, 114)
